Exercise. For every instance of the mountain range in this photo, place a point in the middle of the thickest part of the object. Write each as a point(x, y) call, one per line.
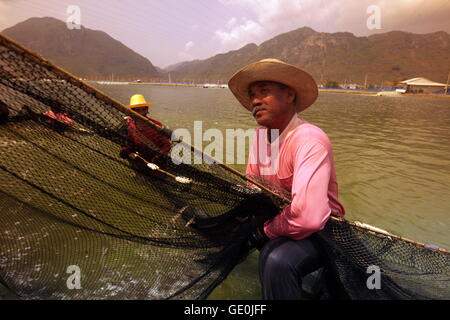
point(84, 52)
point(341, 57)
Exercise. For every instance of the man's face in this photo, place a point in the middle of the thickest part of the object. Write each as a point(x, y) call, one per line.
point(273, 105)
point(141, 110)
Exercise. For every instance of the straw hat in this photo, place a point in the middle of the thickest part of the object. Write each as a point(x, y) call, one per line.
point(138, 101)
point(278, 71)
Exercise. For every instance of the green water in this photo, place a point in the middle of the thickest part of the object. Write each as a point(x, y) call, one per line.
point(392, 158)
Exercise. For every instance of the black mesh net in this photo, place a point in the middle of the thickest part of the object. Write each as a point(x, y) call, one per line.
point(407, 270)
point(77, 194)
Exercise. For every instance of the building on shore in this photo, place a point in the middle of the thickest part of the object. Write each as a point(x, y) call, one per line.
point(422, 85)
point(352, 86)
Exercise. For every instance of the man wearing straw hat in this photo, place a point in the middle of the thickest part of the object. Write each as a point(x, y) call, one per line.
point(274, 92)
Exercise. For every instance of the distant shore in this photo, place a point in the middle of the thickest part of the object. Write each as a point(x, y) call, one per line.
point(385, 93)
point(222, 86)
point(371, 92)
point(169, 84)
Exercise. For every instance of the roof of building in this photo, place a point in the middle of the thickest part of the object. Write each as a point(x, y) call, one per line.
point(422, 82)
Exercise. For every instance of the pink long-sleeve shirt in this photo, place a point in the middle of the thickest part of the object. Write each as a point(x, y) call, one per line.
point(303, 165)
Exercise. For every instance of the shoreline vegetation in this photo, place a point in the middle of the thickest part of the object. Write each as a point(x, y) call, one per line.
point(373, 92)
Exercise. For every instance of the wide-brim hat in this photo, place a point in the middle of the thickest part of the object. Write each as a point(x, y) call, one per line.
point(138, 101)
point(278, 71)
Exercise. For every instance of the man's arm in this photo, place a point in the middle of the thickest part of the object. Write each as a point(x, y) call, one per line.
point(309, 210)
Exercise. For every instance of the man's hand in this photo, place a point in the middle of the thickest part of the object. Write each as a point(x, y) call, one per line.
point(242, 225)
point(258, 238)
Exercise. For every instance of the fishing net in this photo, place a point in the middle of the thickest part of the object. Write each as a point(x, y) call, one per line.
point(83, 217)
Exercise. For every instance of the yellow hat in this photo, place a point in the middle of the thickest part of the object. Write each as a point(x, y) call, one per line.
point(138, 101)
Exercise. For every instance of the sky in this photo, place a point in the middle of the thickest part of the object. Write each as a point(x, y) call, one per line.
point(170, 31)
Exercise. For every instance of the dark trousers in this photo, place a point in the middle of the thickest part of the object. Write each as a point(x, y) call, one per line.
point(283, 263)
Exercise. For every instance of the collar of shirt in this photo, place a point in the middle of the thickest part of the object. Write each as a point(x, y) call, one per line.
point(293, 123)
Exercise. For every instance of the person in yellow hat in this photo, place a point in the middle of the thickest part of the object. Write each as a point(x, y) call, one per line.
point(142, 138)
point(274, 92)
point(138, 104)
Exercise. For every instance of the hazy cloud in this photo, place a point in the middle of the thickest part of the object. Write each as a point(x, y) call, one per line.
point(272, 17)
point(417, 16)
point(192, 29)
point(185, 54)
point(188, 45)
point(239, 32)
point(3, 15)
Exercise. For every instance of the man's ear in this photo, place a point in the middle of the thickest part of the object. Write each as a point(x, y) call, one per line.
point(291, 95)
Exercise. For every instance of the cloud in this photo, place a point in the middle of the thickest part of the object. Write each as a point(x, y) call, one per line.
point(271, 17)
point(238, 33)
point(417, 16)
point(231, 23)
point(268, 18)
point(185, 55)
point(188, 46)
point(3, 15)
